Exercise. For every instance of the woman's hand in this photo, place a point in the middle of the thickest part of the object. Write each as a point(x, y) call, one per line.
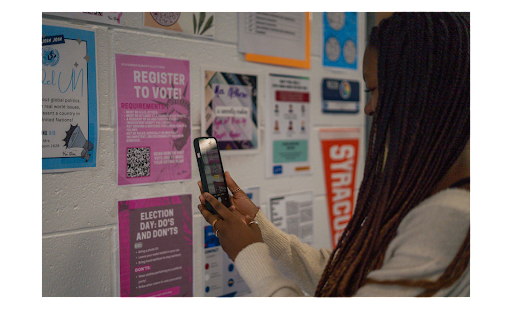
point(233, 233)
point(241, 204)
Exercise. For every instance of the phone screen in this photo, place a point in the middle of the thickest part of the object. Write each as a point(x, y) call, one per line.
point(213, 181)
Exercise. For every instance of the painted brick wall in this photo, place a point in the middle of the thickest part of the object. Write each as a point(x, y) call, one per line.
point(80, 254)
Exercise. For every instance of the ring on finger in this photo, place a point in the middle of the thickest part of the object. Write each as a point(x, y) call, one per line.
point(217, 231)
point(237, 189)
point(215, 221)
point(253, 222)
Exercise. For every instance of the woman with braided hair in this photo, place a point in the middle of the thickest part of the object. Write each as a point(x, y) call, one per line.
point(409, 235)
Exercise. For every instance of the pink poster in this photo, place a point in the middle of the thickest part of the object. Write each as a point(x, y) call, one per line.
point(155, 246)
point(153, 119)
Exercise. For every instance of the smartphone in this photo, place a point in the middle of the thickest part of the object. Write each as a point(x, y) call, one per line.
point(211, 170)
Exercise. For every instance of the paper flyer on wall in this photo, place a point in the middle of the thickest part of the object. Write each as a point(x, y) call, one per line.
point(221, 279)
point(190, 23)
point(340, 96)
point(340, 40)
point(155, 246)
point(293, 214)
point(230, 113)
point(288, 126)
point(340, 150)
point(280, 38)
point(111, 18)
point(153, 119)
point(69, 99)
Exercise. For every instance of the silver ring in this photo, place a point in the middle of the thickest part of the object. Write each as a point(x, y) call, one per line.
point(253, 222)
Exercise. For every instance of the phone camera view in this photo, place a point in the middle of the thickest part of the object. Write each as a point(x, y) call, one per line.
point(212, 167)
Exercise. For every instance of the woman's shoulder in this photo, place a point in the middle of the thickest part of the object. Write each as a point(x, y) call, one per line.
point(452, 198)
point(442, 205)
point(428, 237)
point(439, 221)
point(427, 240)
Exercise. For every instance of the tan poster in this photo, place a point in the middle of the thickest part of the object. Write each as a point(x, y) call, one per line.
point(190, 23)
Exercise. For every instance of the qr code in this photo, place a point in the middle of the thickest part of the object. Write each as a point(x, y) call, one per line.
point(137, 162)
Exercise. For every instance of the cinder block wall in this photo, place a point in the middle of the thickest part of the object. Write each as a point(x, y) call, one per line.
point(80, 255)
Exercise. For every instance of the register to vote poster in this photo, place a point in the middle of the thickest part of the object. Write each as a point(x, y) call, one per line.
point(155, 246)
point(153, 119)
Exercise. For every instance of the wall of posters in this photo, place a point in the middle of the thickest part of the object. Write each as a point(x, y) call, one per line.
point(230, 112)
point(150, 90)
point(190, 23)
point(153, 119)
point(155, 246)
point(340, 148)
point(288, 126)
point(69, 99)
point(293, 214)
point(340, 40)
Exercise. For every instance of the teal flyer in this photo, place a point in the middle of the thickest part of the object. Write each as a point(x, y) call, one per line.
point(290, 151)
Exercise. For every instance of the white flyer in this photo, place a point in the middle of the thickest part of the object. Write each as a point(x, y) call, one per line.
point(293, 214)
point(272, 34)
point(288, 126)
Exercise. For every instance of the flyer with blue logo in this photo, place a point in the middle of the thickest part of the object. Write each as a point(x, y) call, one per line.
point(69, 99)
point(340, 96)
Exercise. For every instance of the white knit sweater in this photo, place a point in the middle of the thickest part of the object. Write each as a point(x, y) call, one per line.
point(427, 240)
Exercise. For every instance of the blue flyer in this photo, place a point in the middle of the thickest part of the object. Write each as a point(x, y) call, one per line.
point(69, 99)
point(340, 96)
point(340, 40)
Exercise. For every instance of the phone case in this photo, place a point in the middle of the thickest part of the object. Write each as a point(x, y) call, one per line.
point(202, 173)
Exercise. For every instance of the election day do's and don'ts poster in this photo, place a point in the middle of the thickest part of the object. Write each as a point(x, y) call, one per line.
point(155, 246)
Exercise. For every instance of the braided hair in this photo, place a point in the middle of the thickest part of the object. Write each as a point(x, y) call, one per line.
point(420, 128)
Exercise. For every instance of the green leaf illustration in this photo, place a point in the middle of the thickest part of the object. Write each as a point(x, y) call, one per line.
point(208, 24)
point(195, 24)
point(201, 20)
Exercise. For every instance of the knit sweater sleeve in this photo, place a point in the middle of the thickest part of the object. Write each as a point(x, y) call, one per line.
point(264, 266)
point(261, 275)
